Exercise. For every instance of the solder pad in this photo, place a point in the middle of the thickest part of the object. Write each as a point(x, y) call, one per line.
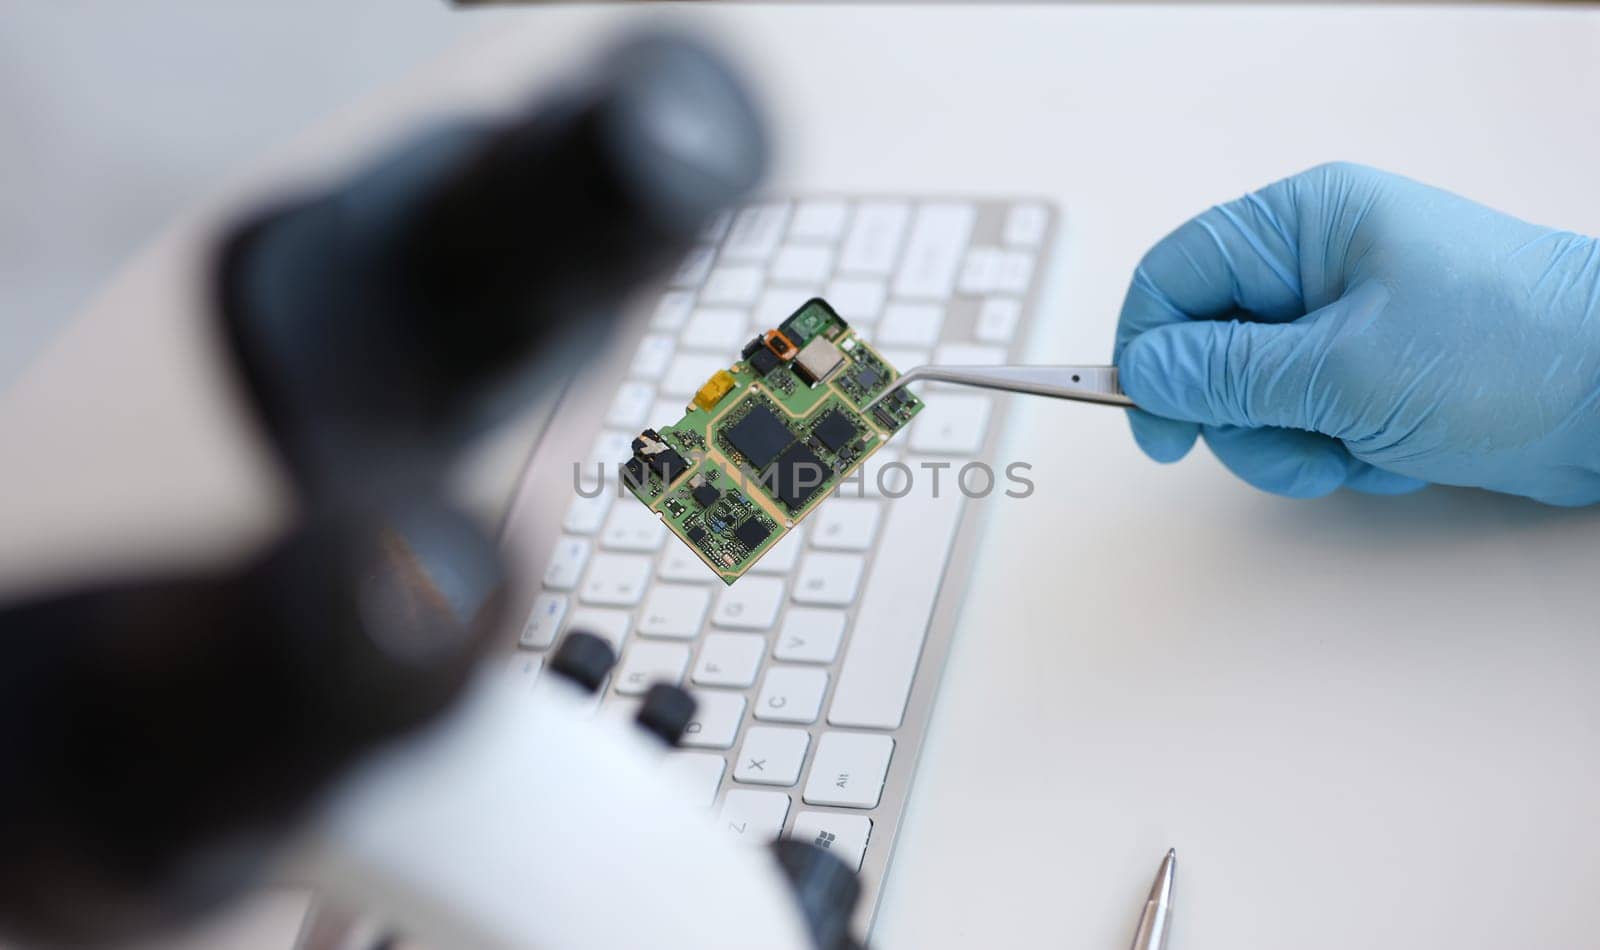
point(774, 447)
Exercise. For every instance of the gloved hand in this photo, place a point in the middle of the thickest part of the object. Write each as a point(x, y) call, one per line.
point(1351, 328)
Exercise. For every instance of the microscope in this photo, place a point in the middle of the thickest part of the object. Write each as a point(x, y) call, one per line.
point(322, 711)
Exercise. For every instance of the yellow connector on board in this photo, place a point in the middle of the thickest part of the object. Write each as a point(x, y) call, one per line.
point(719, 385)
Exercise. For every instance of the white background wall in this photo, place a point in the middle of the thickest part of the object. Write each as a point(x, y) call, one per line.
point(115, 116)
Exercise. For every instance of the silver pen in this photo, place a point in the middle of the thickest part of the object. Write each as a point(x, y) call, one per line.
point(1152, 934)
point(1097, 384)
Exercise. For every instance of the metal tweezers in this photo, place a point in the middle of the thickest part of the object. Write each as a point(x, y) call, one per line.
point(1084, 383)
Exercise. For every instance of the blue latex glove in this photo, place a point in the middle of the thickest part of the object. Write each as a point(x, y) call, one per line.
point(1351, 328)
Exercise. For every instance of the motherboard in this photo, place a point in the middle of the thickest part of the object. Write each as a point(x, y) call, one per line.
point(767, 440)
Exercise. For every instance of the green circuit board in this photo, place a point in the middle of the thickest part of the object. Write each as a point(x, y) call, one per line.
point(767, 440)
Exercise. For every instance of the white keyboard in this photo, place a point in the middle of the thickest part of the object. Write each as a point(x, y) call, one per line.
point(815, 674)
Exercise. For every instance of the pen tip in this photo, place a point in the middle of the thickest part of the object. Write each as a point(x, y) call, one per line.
point(1161, 890)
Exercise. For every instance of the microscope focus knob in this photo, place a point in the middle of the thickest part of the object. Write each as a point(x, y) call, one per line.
point(666, 712)
point(584, 659)
point(826, 890)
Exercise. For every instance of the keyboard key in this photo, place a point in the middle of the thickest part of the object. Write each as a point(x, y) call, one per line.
point(633, 527)
point(566, 563)
point(845, 836)
point(828, 580)
point(885, 475)
point(686, 373)
point(681, 564)
point(872, 244)
point(718, 228)
point(781, 558)
point(674, 611)
point(845, 524)
point(756, 232)
point(715, 328)
point(997, 320)
point(791, 694)
point(858, 300)
point(980, 274)
point(969, 354)
point(810, 635)
point(524, 669)
point(849, 770)
point(1025, 225)
point(543, 621)
point(901, 358)
point(756, 817)
point(651, 663)
point(716, 720)
point(804, 264)
point(1015, 272)
point(654, 352)
point(609, 625)
point(897, 601)
point(774, 307)
point(663, 410)
point(695, 267)
point(729, 659)
point(820, 220)
point(699, 772)
point(951, 424)
point(616, 580)
point(592, 476)
point(751, 604)
point(623, 709)
point(629, 405)
point(732, 285)
point(585, 515)
point(771, 756)
point(611, 448)
point(673, 310)
point(909, 324)
point(939, 235)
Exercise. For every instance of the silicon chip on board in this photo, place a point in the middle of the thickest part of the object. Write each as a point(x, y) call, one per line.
point(768, 450)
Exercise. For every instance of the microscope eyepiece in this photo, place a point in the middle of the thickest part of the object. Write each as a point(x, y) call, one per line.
point(380, 324)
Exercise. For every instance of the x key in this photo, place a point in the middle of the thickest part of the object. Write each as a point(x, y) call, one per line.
point(772, 756)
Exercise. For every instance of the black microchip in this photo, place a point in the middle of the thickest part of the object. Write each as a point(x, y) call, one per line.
point(667, 462)
point(867, 378)
point(696, 534)
point(705, 496)
point(764, 361)
point(669, 465)
point(633, 473)
point(752, 533)
point(888, 421)
point(751, 347)
point(834, 430)
point(796, 476)
point(759, 436)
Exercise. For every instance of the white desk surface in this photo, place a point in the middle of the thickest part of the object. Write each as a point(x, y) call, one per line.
point(1363, 722)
